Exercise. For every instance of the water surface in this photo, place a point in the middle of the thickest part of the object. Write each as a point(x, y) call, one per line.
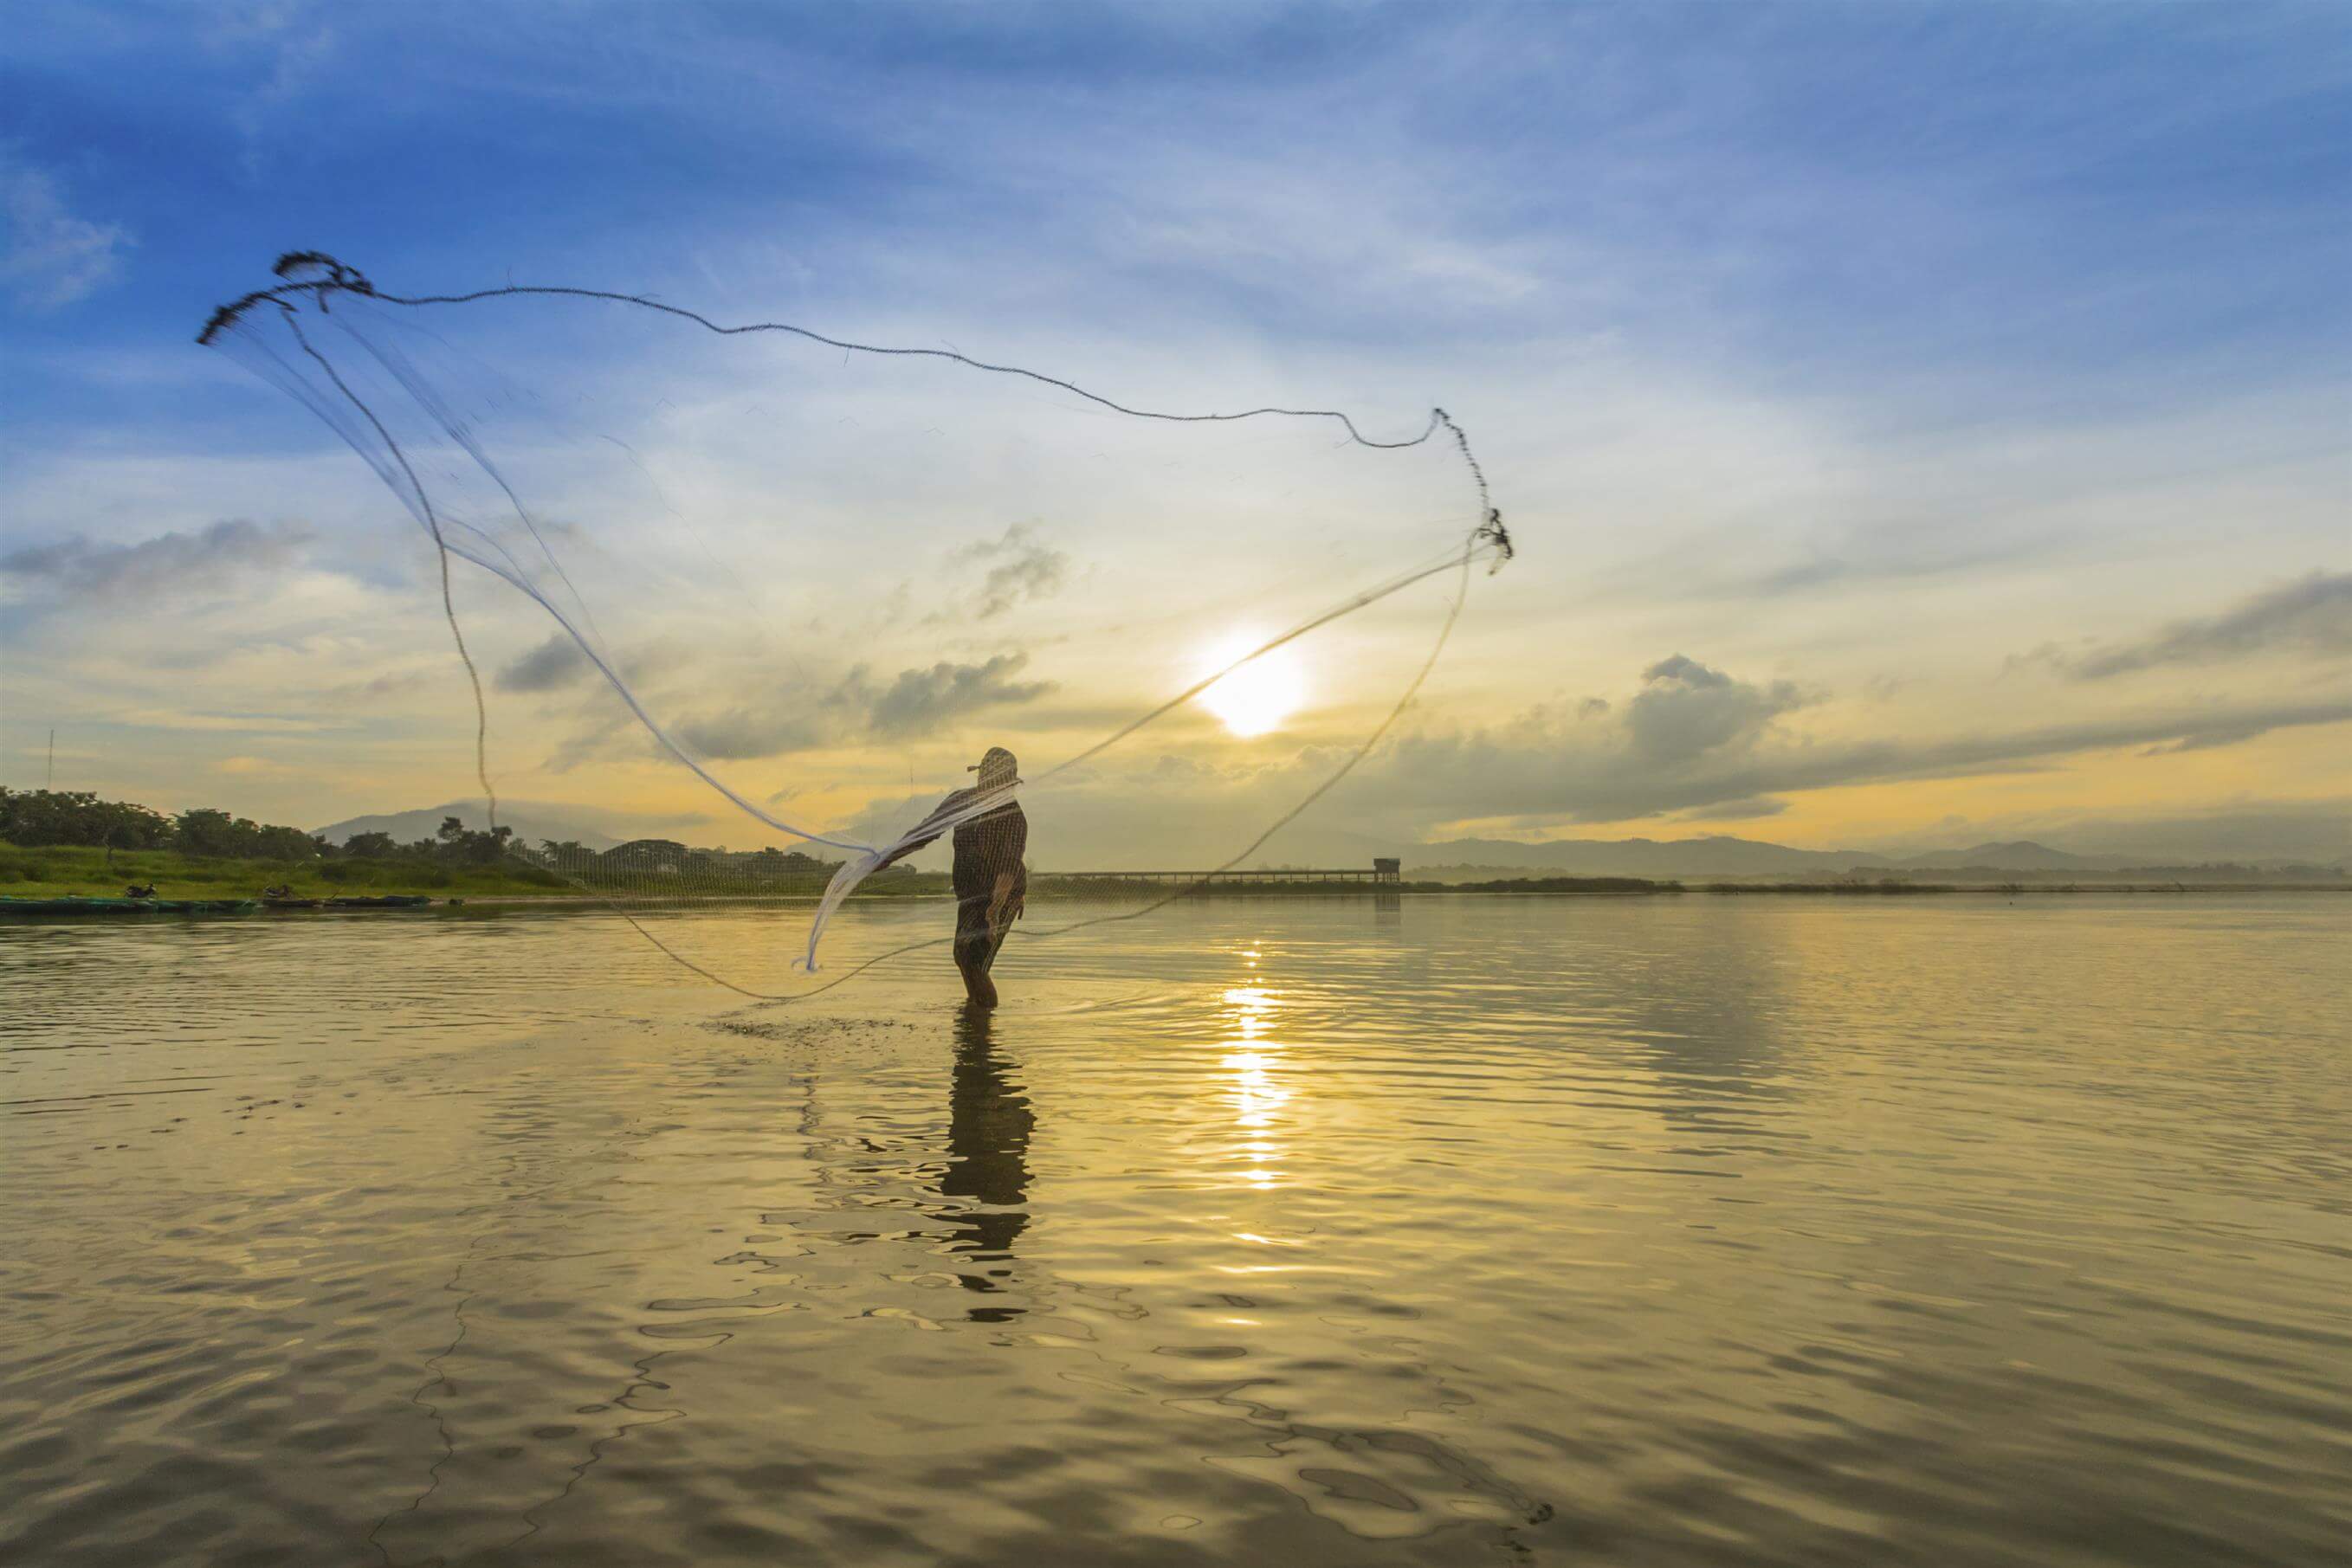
point(1645, 1231)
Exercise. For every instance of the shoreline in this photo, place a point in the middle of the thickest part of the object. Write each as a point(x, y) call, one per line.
point(111, 908)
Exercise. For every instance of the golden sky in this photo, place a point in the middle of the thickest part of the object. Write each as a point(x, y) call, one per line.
point(1950, 467)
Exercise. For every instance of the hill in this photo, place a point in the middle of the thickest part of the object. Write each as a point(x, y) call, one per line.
point(1719, 855)
point(2022, 854)
point(1723, 855)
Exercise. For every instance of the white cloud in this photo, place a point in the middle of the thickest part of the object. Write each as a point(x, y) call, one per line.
point(1019, 568)
point(52, 257)
point(167, 566)
point(2312, 615)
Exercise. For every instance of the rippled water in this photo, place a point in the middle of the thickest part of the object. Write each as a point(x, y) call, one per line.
point(1656, 1231)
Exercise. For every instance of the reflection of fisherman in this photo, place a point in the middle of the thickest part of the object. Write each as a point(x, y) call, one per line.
point(986, 1178)
point(990, 880)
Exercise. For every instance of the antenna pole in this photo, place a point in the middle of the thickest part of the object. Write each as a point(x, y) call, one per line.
point(53, 761)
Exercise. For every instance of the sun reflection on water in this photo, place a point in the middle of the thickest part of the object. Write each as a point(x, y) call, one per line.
point(1254, 1087)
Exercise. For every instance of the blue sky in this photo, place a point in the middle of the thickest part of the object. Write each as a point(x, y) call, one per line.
point(1818, 299)
point(2091, 194)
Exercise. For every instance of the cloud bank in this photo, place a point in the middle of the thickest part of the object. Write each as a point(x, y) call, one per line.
point(1698, 743)
point(552, 666)
point(167, 567)
point(2312, 615)
point(927, 703)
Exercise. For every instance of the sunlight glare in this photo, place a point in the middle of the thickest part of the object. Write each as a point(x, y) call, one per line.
point(1260, 695)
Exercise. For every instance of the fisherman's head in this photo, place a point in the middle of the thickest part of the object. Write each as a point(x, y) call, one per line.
point(997, 770)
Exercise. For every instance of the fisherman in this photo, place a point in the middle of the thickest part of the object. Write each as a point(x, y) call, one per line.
point(990, 833)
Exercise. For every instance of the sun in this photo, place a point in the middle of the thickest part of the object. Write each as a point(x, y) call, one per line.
point(1258, 696)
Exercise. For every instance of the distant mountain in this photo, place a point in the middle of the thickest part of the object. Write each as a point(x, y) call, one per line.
point(2022, 854)
point(531, 819)
point(1720, 855)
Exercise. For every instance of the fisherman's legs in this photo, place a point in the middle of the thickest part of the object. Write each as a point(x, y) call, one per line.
point(976, 944)
point(978, 988)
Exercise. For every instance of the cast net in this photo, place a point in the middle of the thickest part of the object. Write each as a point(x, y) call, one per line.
point(787, 588)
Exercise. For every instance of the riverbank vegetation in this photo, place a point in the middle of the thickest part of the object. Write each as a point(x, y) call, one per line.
point(58, 871)
point(57, 843)
point(76, 818)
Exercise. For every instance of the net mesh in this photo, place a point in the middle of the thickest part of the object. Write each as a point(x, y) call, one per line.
point(793, 585)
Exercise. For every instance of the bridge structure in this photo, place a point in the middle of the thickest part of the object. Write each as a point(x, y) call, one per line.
point(1380, 873)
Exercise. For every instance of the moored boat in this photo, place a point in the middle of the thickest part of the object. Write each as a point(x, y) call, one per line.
point(382, 901)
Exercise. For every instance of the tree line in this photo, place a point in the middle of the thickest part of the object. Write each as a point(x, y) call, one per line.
point(36, 819)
